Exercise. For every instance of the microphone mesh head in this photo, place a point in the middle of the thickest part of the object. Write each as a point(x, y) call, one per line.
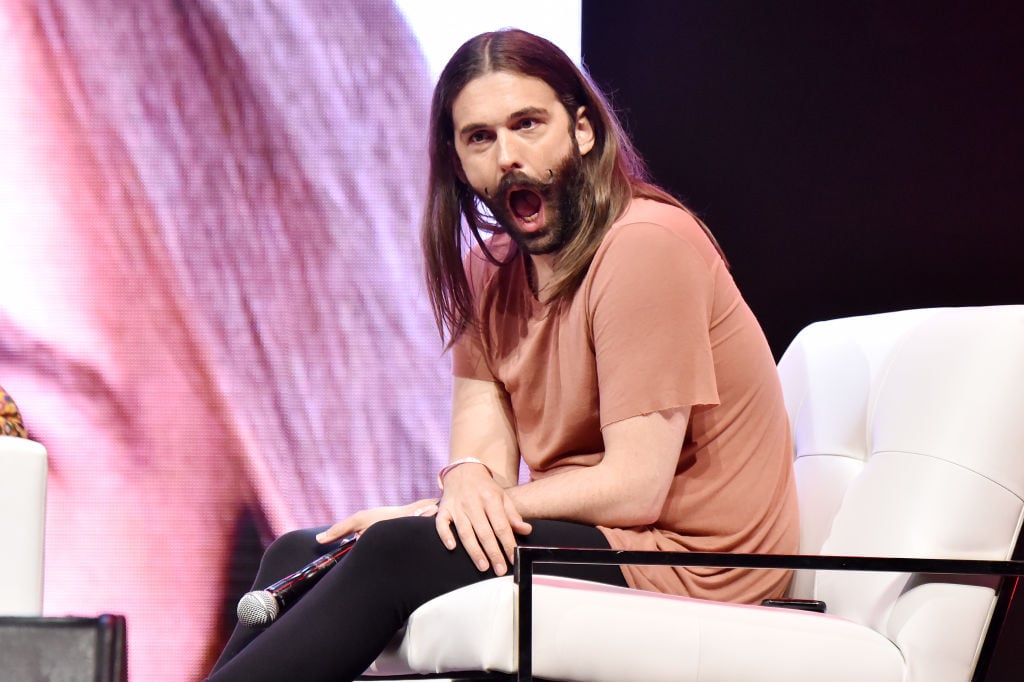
point(257, 609)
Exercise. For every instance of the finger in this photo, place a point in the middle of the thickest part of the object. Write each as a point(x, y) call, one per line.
point(442, 523)
point(492, 548)
point(512, 524)
point(336, 532)
point(357, 523)
point(504, 540)
point(515, 519)
point(429, 509)
point(489, 528)
point(468, 533)
point(504, 547)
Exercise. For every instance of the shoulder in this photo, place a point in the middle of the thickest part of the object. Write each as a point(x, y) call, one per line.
point(655, 230)
point(481, 262)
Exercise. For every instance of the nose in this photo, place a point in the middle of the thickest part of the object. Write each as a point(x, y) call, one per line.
point(508, 152)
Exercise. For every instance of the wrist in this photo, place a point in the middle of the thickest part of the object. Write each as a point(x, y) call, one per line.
point(446, 469)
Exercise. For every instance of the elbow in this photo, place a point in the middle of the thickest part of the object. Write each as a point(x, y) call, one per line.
point(649, 517)
point(646, 504)
point(639, 511)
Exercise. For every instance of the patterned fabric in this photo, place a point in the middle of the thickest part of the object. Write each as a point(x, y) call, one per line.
point(10, 419)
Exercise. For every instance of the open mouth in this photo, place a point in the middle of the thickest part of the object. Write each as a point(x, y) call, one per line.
point(526, 205)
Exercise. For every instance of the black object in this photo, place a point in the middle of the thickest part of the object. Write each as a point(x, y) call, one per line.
point(70, 649)
point(262, 607)
point(798, 604)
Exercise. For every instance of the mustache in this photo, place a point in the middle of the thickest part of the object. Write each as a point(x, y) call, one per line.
point(520, 180)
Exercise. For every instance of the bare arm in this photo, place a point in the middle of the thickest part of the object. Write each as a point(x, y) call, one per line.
point(627, 488)
point(482, 427)
point(477, 505)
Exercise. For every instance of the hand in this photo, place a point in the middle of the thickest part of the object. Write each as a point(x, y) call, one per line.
point(484, 517)
point(360, 521)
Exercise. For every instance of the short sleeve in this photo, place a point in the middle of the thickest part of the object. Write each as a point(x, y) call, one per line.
point(651, 292)
point(468, 361)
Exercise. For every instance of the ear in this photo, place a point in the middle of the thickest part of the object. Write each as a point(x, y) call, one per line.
point(584, 131)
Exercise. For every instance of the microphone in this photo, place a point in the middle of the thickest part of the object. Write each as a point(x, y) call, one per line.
point(262, 607)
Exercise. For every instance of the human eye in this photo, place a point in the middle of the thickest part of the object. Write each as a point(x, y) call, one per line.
point(477, 137)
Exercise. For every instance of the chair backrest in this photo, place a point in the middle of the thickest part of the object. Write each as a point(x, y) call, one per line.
point(22, 517)
point(909, 438)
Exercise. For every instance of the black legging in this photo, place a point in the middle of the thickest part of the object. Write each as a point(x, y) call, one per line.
point(337, 629)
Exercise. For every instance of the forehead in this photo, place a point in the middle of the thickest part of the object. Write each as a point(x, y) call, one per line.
point(493, 97)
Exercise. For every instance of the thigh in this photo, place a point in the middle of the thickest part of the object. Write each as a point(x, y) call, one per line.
point(551, 533)
point(396, 566)
point(409, 550)
point(289, 553)
point(409, 543)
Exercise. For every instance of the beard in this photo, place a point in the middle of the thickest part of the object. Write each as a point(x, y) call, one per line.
point(559, 197)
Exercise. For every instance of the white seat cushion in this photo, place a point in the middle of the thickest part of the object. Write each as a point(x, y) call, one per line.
point(596, 633)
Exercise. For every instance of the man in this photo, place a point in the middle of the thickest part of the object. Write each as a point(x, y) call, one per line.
point(597, 335)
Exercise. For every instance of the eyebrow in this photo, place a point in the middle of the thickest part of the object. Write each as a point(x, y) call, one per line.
point(520, 113)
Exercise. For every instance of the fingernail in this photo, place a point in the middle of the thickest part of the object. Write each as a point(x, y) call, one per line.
point(482, 565)
point(499, 569)
point(320, 538)
point(450, 544)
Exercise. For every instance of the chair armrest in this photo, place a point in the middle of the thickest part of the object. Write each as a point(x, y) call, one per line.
point(23, 469)
point(527, 557)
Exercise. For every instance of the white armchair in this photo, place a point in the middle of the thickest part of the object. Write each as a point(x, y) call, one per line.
point(909, 435)
point(22, 517)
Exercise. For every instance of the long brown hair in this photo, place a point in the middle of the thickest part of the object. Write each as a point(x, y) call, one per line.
point(614, 172)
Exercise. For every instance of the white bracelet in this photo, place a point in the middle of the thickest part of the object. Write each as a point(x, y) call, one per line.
point(448, 467)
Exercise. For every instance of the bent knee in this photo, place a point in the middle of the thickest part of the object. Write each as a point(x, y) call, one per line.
point(401, 537)
point(291, 551)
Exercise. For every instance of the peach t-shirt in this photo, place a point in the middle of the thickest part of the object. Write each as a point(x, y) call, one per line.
point(657, 323)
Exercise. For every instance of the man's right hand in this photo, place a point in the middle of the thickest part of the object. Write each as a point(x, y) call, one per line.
point(484, 516)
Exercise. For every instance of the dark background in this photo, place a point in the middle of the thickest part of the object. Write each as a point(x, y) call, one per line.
point(852, 158)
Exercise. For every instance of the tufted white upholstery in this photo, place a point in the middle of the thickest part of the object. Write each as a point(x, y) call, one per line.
point(22, 515)
point(909, 436)
point(910, 442)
